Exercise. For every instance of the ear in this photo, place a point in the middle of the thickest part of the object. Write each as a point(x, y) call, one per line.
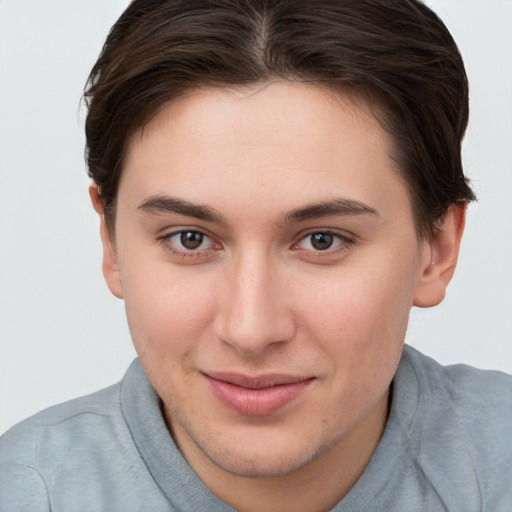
point(110, 265)
point(443, 251)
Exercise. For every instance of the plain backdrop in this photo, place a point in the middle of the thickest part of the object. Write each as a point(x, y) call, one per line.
point(61, 332)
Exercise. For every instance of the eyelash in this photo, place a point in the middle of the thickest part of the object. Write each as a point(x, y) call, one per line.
point(344, 243)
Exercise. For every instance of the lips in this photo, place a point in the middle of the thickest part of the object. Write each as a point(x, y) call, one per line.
point(256, 396)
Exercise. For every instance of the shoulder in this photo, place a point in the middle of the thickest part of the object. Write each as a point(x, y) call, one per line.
point(461, 434)
point(466, 391)
point(21, 440)
point(49, 438)
point(45, 460)
point(479, 402)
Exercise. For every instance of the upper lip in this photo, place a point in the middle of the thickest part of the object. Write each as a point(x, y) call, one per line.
point(256, 382)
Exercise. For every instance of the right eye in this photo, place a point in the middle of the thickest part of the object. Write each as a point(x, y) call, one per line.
point(188, 241)
point(189, 246)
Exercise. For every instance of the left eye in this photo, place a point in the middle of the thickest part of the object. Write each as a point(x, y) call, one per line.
point(321, 241)
point(190, 240)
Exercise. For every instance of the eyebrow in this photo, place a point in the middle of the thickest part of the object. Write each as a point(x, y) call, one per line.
point(333, 207)
point(167, 204)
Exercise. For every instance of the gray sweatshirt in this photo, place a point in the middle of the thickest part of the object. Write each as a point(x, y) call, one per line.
point(447, 446)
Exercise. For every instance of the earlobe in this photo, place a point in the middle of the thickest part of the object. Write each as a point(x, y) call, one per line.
point(444, 251)
point(110, 265)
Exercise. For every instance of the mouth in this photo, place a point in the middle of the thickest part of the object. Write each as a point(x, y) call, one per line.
point(256, 396)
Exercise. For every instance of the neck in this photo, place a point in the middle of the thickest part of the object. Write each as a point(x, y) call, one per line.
point(317, 486)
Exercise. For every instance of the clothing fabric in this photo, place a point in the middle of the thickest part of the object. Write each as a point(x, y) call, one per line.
point(447, 446)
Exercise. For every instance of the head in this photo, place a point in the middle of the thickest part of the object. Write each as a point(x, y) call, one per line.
point(279, 182)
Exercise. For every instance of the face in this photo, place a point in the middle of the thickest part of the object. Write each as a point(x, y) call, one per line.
point(266, 252)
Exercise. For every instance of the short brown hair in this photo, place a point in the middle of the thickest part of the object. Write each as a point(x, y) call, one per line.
point(397, 52)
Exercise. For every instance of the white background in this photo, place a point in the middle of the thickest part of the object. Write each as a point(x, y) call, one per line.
point(61, 333)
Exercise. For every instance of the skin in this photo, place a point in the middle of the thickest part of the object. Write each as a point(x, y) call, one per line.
point(257, 297)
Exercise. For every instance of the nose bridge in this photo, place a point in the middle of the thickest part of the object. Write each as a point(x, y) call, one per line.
point(252, 312)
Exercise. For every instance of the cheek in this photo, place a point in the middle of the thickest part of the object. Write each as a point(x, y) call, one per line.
point(167, 310)
point(168, 319)
point(359, 315)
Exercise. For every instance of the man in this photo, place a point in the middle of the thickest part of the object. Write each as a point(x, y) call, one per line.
point(278, 183)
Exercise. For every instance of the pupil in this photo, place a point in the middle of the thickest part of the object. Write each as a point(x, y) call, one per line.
point(321, 241)
point(191, 239)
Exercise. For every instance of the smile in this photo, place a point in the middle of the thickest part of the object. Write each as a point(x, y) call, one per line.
point(256, 396)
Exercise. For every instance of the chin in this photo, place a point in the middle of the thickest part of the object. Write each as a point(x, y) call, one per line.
point(259, 466)
point(263, 459)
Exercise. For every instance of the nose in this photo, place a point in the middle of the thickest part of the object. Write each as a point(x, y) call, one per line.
point(253, 312)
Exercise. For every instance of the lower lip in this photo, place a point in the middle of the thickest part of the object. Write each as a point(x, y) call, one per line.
point(256, 402)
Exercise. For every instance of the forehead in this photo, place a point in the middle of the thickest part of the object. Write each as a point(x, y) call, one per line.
point(273, 141)
point(283, 111)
